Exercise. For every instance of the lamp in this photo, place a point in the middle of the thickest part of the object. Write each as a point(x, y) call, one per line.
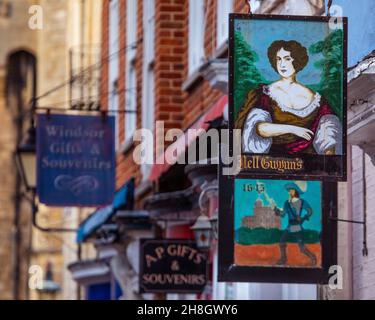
point(203, 232)
point(26, 164)
point(26, 160)
point(49, 288)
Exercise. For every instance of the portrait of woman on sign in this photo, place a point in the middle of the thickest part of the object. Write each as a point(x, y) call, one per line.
point(285, 116)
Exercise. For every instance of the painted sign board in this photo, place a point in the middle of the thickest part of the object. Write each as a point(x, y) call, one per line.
point(171, 266)
point(287, 95)
point(75, 160)
point(276, 230)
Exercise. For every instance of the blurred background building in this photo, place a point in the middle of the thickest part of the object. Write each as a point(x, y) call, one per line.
point(18, 68)
point(32, 62)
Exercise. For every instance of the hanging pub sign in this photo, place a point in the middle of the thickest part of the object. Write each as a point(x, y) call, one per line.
point(171, 266)
point(76, 160)
point(276, 230)
point(287, 95)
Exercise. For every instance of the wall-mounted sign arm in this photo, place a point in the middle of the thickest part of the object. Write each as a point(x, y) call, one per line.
point(364, 248)
point(35, 211)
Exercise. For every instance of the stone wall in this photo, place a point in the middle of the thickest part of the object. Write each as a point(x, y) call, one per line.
point(51, 48)
point(363, 266)
point(15, 36)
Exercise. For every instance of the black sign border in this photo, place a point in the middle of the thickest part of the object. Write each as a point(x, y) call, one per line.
point(229, 272)
point(337, 162)
point(142, 243)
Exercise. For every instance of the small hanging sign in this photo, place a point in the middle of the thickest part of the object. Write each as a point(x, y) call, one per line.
point(76, 160)
point(171, 266)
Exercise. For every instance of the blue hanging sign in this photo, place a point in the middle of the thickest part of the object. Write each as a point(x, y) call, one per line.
point(76, 160)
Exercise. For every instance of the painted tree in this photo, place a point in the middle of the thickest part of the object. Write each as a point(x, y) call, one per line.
point(246, 74)
point(331, 65)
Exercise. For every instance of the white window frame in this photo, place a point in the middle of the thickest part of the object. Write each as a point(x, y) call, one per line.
point(293, 291)
point(130, 74)
point(224, 7)
point(113, 65)
point(130, 101)
point(196, 34)
point(148, 83)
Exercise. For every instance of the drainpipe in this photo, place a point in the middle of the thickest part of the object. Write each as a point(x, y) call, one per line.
point(16, 239)
point(79, 256)
point(364, 200)
point(350, 216)
point(16, 233)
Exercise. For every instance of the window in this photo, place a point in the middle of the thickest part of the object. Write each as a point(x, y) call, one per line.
point(149, 30)
point(224, 7)
point(196, 34)
point(113, 72)
point(131, 101)
point(148, 92)
point(130, 77)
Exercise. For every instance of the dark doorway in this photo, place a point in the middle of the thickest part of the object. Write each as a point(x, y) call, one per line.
point(20, 89)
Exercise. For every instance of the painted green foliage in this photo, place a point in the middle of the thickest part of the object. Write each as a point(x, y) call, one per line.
point(246, 74)
point(248, 77)
point(247, 236)
point(330, 85)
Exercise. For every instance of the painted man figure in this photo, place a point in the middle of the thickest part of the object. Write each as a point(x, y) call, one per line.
point(293, 209)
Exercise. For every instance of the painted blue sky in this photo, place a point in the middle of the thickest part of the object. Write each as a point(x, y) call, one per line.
point(261, 33)
point(244, 201)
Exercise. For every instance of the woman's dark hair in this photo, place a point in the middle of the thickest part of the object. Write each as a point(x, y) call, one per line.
point(297, 51)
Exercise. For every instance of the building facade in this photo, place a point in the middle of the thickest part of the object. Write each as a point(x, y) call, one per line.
point(360, 124)
point(19, 48)
point(165, 67)
point(45, 43)
point(69, 48)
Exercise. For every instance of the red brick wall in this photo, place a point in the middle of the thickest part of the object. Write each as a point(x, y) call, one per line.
point(125, 165)
point(201, 96)
point(122, 61)
point(126, 168)
point(170, 47)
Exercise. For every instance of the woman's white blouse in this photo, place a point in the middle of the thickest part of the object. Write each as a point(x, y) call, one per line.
point(328, 134)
